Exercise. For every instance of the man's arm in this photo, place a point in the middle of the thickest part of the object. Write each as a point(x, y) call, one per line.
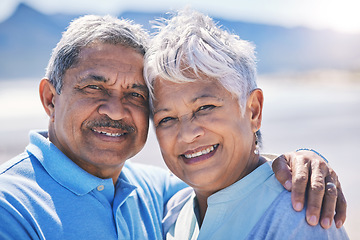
point(296, 170)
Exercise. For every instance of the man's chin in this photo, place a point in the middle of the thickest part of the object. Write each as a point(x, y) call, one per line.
point(111, 155)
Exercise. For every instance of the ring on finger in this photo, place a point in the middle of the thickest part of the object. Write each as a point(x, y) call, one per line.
point(330, 185)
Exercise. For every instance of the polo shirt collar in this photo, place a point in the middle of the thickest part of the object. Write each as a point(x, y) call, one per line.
point(61, 168)
point(124, 189)
point(243, 186)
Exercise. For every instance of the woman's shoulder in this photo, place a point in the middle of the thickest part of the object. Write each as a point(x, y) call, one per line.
point(281, 221)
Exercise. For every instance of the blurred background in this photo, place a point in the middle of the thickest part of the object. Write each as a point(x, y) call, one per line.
point(309, 70)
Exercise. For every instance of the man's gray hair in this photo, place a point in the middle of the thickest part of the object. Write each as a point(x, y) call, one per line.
point(192, 41)
point(87, 30)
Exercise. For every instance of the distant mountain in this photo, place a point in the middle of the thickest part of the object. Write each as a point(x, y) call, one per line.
point(26, 41)
point(28, 36)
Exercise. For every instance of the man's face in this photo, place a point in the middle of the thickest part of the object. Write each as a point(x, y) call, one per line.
point(101, 116)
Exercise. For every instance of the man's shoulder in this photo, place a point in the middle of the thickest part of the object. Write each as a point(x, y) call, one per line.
point(18, 173)
point(22, 163)
point(15, 164)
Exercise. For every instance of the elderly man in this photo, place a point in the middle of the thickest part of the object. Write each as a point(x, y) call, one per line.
point(72, 181)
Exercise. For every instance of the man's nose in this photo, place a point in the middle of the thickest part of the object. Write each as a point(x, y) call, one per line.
point(114, 108)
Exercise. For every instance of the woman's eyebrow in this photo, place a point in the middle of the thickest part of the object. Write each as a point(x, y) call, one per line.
point(206, 95)
point(192, 101)
point(161, 110)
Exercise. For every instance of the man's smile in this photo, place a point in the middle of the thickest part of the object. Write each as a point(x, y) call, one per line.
point(109, 134)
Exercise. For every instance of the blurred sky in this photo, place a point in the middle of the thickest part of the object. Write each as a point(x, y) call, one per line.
point(340, 15)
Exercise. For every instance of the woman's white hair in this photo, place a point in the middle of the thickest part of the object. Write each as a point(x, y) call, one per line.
point(192, 41)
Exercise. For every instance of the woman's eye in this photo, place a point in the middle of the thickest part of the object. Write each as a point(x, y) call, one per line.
point(165, 120)
point(206, 107)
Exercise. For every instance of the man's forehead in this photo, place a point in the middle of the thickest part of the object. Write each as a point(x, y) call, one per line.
point(108, 69)
point(124, 57)
point(128, 79)
point(103, 64)
point(110, 64)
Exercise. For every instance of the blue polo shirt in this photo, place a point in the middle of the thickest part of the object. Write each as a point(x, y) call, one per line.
point(44, 195)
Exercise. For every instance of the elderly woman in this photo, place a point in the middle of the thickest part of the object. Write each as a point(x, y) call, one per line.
point(207, 112)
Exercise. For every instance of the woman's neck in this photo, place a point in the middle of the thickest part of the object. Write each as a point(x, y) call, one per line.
point(202, 196)
point(202, 203)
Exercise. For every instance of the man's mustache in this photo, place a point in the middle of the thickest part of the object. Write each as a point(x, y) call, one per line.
point(108, 122)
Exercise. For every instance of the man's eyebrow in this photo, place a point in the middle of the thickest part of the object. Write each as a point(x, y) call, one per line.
point(141, 87)
point(93, 77)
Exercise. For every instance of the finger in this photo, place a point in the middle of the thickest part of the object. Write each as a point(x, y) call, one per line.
point(341, 206)
point(300, 174)
point(282, 171)
point(319, 171)
point(329, 202)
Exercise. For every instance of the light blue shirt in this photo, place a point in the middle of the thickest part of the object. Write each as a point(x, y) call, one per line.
point(44, 195)
point(256, 207)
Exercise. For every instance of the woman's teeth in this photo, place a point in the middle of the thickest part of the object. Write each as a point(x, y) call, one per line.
point(202, 152)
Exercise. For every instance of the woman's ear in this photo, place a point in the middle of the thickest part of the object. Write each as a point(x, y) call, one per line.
point(47, 96)
point(255, 105)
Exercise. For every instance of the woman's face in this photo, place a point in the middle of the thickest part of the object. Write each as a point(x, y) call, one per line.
point(204, 138)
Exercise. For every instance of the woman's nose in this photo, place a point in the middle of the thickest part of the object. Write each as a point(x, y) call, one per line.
point(189, 130)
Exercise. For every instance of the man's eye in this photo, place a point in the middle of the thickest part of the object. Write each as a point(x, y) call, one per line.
point(137, 95)
point(95, 87)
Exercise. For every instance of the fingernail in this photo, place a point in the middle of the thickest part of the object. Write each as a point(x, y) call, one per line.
point(298, 206)
point(288, 185)
point(339, 224)
point(325, 222)
point(312, 220)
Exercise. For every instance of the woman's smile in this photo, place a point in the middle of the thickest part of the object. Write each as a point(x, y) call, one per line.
point(199, 154)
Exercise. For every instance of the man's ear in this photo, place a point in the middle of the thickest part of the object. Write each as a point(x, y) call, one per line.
point(255, 105)
point(47, 96)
